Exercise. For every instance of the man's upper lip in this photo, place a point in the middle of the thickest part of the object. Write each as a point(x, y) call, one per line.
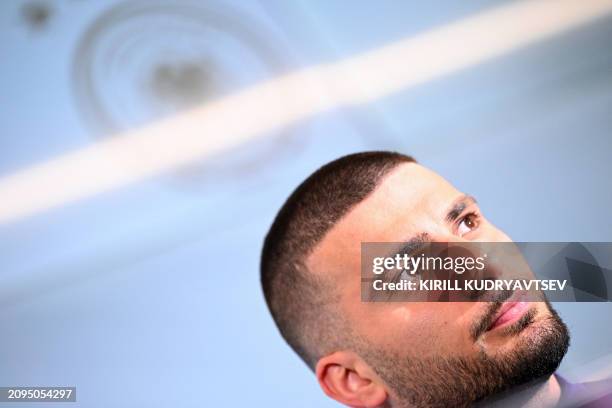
point(508, 303)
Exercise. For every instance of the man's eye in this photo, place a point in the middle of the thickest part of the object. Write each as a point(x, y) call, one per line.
point(467, 224)
point(405, 275)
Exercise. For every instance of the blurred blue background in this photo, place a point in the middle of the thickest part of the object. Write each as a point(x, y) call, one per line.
point(148, 295)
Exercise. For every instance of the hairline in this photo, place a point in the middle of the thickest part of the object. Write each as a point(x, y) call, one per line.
point(307, 256)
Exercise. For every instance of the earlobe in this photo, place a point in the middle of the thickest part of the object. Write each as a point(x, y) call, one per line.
point(346, 378)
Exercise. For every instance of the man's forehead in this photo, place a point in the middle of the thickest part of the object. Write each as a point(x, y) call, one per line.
point(409, 198)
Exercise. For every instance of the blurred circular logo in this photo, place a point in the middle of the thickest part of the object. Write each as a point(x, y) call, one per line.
point(145, 60)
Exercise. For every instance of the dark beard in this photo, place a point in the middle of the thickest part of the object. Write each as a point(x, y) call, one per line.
point(458, 382)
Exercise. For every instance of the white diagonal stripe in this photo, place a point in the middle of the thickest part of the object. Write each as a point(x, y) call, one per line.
point(232, 120)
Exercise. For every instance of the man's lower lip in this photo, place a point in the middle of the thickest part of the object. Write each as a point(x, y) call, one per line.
point(511, 315)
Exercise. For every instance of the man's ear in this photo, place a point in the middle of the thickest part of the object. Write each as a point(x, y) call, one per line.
point(345, 377)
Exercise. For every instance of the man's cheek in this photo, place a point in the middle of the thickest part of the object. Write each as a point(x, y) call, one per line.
point(417, 333)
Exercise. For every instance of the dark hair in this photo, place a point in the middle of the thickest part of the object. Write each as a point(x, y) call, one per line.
point(298, 300)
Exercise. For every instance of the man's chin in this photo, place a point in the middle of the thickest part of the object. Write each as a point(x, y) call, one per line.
point(537, 343)
point(530, 324)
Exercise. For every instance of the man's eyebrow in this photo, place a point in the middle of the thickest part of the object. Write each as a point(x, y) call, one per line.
point(413, 244)
point(458, 207)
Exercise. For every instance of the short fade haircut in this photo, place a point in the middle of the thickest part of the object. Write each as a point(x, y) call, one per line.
point(298, 300)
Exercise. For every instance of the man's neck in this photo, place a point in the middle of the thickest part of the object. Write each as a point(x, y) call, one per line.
point(542, 393)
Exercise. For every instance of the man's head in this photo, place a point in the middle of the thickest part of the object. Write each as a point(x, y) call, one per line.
point(395, 354)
